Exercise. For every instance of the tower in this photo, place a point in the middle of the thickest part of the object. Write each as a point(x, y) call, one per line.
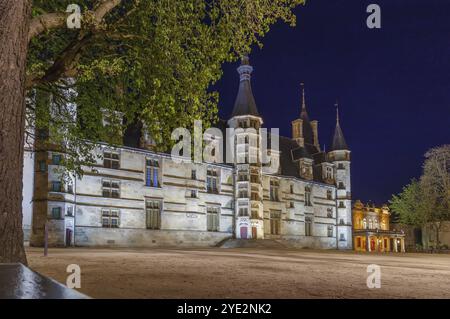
point(340, 157)
point(246, 121)
point(305, 134)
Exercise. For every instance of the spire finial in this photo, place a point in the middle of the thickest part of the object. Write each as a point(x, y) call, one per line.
point(302, 85)
point(337, 111)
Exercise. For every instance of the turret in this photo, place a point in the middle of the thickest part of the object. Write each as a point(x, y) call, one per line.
point(340, 157)
point(246, 120)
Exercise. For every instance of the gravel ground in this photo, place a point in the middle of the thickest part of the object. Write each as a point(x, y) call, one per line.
point(245, 273)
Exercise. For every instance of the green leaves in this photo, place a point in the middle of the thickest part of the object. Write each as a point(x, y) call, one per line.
point(151, 61)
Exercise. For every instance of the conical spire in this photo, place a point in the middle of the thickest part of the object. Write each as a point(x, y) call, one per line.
point(245, 102)
point(303, 112)
point(338, 138)
point(307, 128)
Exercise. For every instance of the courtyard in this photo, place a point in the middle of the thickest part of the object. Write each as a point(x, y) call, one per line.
point(245, 273)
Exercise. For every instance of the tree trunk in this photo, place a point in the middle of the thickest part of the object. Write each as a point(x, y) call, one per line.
point(14, 21)
point(437, 228)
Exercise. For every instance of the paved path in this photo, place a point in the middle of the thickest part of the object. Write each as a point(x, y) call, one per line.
point(246, 273)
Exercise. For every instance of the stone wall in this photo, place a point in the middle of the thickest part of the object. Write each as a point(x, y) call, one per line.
point(119, 237)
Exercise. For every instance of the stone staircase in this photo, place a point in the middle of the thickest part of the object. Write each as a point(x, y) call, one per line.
point(251, 243)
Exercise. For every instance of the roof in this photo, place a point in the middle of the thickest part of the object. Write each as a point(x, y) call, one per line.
point(245, 102)
point(338, 138)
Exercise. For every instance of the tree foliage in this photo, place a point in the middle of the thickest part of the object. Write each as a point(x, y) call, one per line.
point(426, 202)
point(151, 61)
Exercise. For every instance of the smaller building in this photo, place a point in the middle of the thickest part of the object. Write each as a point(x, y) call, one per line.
point(372, 232)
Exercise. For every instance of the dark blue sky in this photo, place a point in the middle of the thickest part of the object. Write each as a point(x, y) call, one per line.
point(393, 84)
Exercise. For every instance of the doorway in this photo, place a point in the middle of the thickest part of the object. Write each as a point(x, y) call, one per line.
point(254, 233)
point(68, 237)
point(243, 232)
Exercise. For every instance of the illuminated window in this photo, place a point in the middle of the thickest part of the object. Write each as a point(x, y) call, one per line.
point(152, 173)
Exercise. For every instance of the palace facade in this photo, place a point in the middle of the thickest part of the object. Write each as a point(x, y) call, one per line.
point(372, 232)
point(135, 197)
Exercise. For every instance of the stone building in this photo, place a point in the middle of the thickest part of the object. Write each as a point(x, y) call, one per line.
point(135, 197)
point(372, 231)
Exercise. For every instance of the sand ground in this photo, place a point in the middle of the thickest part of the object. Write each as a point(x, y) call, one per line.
point(245, 273)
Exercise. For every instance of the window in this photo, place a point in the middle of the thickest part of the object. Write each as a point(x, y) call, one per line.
point(70, 211)
point(212, 181)
point(330, 213)
point(341, 185)
point(341, 222)
point(111, 188)
point(42, 166)
point(242, 177)
point(193, 193)
point(194, 174)
point(329, 194)
point(330, 231)
point(341, 205)
point(56, 186)
point(328, 173)
point(152, 173)
point(255, 214)
point(341, 166)
point(308, 196)
point(56, 159)
point(243, 211)
point(358, 242)
point(212, 218)
point(275, 221)
point(365, 223)
point(291, 189)
point(70, 188)
point(56, 212)
point(341, 237)
point(153, 212)
point(308, 226)
point(274, 186)
point(111, 160)
point(110, 218)
point(243, 191)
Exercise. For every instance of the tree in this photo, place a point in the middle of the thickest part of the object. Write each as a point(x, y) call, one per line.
point(426, 202)
point(151, 62)
point(435, 185)
point(13, 53)
point(409, 205)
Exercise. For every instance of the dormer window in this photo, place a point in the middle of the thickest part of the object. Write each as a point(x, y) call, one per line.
point(328, 173)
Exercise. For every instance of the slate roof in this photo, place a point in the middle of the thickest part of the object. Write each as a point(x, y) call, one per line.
point(245, 102)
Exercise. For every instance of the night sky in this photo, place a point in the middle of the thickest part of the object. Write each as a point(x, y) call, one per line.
point(393, 84)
